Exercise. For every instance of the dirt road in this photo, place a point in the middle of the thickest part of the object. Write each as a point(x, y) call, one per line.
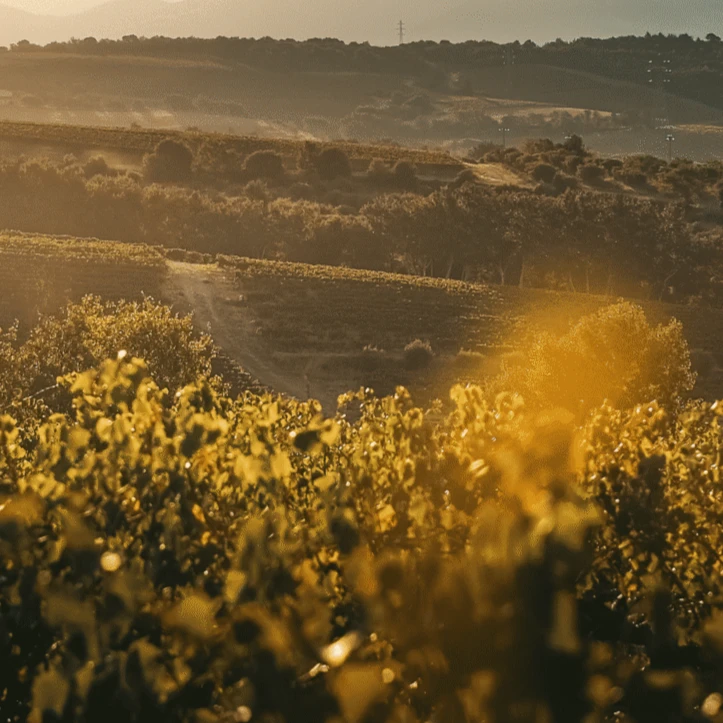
point(215, 301)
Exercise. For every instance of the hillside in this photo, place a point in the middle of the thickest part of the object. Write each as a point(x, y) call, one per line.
point(41, 273)
point(420, 94)
point(319, 331)
point(136, 142)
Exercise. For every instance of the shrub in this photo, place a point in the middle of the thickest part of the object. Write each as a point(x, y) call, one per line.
point(379, 172)
point(465, 176)
point(405, 175)
point(562, 182)
point(574, 144)
point(613, 355)
point(612, 164)
point(83, 334)
point(171, 161)
point(98, 166)
point(257, 191)
point(544, 173)
point(371, 358)
point(633, 178)
point(418, 355)
point(332, 163)
point(478, 152)
point(591, 174)
point(267, 165)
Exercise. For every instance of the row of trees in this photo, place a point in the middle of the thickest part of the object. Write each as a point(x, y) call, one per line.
point(697, 72)
point(581, 241)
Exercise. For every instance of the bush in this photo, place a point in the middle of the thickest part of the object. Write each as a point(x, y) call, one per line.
point(633, 178)
point(266, 165)
point(611, 165)
point(611, 356)
point(372, 359)
point(171, 161)
point(591, 174)
point(418, 355)
point(465, 176)
point(405, 175)
point(83, 334)
point(98, 166)
point(332, 163)
point(574, 144)
point(562, 182)
point(379, 172)
point(544, 173)
point(257, 191)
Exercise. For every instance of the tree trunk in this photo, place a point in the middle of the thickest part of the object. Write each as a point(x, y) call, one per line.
point(450, 267)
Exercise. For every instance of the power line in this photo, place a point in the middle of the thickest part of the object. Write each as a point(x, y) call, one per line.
point(401, 32)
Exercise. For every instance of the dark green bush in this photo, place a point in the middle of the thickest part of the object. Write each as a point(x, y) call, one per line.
point(265, 165)
point(544, 173)
point(332, 163)
point(418, 355)
point(171, 161)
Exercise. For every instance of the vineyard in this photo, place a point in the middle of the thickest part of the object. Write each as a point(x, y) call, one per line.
point(351, 326)
point(138, 141)
point(187, 557)
point(43, 272)
point(172, 553)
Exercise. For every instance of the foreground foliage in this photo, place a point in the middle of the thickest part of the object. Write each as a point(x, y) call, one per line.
point(192, 558)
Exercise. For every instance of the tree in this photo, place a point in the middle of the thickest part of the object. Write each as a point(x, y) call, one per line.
point(332, 163)
point(267, 165)
point(614, 355)
point(171, 161)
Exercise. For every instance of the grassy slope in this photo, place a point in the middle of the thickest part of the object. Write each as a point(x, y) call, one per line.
point(309, 325)
point(577, 89)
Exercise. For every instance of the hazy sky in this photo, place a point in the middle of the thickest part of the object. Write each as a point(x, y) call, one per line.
point(57, 7)
point(372, 20)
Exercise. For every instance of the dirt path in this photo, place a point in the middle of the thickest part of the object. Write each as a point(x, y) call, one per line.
point(214, 299)
point(497, 174)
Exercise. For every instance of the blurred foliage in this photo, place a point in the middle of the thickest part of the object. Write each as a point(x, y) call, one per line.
point(82, 335)
point(613, 356)
point(188, 557)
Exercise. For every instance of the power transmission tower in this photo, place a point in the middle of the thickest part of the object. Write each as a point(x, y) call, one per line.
point(659, 77)
point(671, 139)
point(504, 131)
point(401, 32)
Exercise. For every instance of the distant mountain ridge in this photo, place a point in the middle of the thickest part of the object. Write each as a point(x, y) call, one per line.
point(372, 21)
